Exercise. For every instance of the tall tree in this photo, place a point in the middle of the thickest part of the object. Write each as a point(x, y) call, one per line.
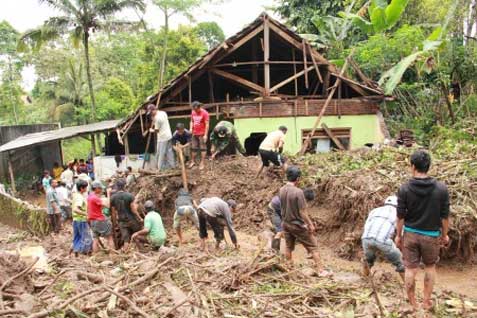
point(11, 65)
point(170, 8)
point(78, 19)
point(210, 33)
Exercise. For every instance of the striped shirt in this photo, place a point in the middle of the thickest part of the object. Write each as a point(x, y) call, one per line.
point(380, 224)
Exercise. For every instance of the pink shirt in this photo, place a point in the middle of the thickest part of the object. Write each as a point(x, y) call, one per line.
point(199, 120)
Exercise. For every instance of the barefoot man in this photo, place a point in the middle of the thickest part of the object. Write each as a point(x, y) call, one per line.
point(423, 212)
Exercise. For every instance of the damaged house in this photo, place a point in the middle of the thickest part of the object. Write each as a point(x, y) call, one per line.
point(262, 77)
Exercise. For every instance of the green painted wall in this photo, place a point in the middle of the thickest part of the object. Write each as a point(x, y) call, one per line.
point(364, 128)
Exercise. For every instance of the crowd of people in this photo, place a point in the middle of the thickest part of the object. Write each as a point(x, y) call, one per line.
point(408, 230)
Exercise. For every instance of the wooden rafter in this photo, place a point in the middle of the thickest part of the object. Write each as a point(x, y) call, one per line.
point(239, 80)
point(307, 85)
point(315, 64)
point(244, 40)
point(288, 80)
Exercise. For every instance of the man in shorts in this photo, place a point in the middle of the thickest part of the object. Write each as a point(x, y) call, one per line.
point(218, 214)
point(423, 224)
point(153, 228)
point(100, 225)
point(297, 225)
point(378, 233)
point(271, 149)
point(199, 127)
point(184, 210)
point(123, 204)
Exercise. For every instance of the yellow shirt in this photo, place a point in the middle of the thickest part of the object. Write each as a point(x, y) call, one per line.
point(272, 141)
point(57, 173)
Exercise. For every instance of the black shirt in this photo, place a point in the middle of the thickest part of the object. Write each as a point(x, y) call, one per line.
point(423, 203)
point(182, 139)
point(121, 201)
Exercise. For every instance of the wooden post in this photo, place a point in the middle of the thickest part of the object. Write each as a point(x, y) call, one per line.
point(317, 69)
point(306, 107)
point(326, 83)
point(211, 87)
point(322, 112)
point(305, 64)
point(266, 56)
point(254, 66)
point(189, 79)
point(93, 145)
point(126, 147)
point(12, 175)
point(183, 169)
point(294, 72)
point(260, 110)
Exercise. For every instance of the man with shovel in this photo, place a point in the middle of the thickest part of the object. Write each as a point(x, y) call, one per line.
point(162, 129)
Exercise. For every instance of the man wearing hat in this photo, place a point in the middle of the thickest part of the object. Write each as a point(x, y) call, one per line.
point(379, 230)
point(100, 225)
point(223, 136)
point(165, 155)
point(199, 127)
point(153, 227)
point(218, 214)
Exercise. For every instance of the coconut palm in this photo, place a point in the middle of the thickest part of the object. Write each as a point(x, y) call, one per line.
point(78, 19)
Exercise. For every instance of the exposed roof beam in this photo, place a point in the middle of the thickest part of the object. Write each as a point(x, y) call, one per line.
point(243, 40)
point(239, 80)
point(288, 80)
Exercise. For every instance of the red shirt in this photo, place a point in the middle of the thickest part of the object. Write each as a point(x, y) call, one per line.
point(95, 208)
point(199, 120)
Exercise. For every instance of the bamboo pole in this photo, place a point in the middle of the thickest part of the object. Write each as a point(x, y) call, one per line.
point(183, 169)
point(306, 142)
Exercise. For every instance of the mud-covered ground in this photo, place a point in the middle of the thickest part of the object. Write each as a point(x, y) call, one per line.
point(186, 282)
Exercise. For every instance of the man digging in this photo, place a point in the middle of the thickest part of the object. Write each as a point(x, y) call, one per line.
point(223, 136)
point(297, 225)
point(271, 149)
point(423, 224)
point(218, 214)
point(379, 229)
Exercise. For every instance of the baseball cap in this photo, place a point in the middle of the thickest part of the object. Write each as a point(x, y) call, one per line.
point(149, 205)
point(150, 108)
point(391, 200)
point(231, 203)
point(96, 184)
point(196, 104)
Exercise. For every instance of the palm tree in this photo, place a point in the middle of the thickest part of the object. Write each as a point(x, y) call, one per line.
point(77, 20)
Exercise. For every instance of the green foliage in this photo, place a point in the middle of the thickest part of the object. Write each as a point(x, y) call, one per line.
point(382, 15)
point(115, 100)
point(76, 148)
point(210, 33)
point(301, 13)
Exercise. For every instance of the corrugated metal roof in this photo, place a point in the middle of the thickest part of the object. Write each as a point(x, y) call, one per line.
point(58, 134)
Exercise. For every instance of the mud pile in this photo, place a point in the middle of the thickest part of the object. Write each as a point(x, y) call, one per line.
point(228, 178)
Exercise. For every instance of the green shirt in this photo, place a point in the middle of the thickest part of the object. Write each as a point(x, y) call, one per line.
point(157, 233)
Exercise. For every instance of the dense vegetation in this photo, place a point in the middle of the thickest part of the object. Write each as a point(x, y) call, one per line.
point(423, 52)
point(95, 67)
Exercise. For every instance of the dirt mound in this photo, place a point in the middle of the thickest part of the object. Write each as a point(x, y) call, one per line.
point(14, 286)
point(228, 178)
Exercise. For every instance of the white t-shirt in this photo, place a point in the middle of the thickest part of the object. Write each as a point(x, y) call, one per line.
point(272, 141)
point(161, 124)
point(67, 177)
point(62, 195)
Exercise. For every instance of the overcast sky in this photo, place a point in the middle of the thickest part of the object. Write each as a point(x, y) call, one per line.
point(231, 15)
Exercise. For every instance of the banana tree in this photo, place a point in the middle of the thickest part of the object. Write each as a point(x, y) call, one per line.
point(382, 15)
